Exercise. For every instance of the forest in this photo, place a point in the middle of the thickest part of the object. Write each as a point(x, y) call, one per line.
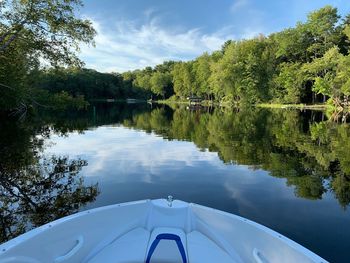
point(308, 63)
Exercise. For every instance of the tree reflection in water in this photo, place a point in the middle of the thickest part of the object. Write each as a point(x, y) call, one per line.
point(303, 147)
point(36, 189)
point(309, 151)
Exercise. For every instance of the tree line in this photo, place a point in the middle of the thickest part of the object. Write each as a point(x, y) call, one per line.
point(308, 63)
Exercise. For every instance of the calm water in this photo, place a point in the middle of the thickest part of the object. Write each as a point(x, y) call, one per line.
point(286, 169)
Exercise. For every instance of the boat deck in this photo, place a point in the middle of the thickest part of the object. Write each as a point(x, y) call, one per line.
point(162, 245)
point(154, 231)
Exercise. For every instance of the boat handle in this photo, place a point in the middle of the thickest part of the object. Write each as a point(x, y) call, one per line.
point(72, 252)
point(257, 257)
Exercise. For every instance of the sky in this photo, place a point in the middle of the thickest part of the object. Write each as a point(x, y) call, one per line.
point(133, 34)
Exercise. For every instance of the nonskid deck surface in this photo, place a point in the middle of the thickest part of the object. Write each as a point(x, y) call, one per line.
point(135, 246)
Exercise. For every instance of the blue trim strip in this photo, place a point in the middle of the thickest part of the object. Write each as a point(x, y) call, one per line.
point(167, 236)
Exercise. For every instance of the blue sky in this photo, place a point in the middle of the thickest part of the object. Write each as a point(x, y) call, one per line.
point(133, 34)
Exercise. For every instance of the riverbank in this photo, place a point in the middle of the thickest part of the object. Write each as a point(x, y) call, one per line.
point(293, 106)
point(259, 105)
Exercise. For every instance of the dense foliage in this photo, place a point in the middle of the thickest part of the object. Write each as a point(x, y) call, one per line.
point(305, 64)
point(85, 82)
point(308, 63)
point(33, 33)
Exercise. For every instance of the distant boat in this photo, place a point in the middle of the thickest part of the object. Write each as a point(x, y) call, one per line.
point(154, 231)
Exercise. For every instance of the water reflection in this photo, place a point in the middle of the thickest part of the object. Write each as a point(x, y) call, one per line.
point(34, 188)
point(286, 169)
point(312, 156)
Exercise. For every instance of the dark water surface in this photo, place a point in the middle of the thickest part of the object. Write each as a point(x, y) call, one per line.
point(286, 169)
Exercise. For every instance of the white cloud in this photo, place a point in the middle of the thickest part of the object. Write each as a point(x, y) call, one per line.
point(237, 5)
point(109, 154)
point(127, 46)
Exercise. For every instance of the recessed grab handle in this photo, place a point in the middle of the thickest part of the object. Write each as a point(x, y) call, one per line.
point(72, 252)
point(258, 256)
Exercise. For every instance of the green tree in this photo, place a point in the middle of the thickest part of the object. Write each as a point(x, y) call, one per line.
point(183, 79)
point(288, 83)
point(292, 44)
point(35, 30)
point(160, 83)
point(331, 75)
point(50, 28)
point(202, 72)
point(322, 25)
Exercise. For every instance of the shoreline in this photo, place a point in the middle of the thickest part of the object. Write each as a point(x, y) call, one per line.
point(293, 106)
point(259, 105)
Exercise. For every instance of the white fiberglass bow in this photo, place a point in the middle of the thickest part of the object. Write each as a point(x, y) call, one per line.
point(154, 231)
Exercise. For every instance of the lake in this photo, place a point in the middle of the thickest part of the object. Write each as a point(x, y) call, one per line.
point(286, 169)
